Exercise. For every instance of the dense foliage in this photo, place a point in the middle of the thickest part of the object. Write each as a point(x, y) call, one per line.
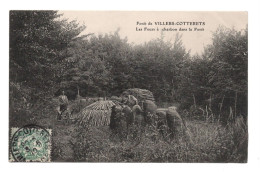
point(38, 46)
point(47, 55)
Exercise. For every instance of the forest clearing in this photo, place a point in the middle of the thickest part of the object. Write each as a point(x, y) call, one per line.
point(107, 100)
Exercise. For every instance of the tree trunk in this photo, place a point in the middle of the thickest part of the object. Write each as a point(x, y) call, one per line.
point(194, 101)
point(221, 104)
point(78, 92)
point(210, 101)
point(235, 113)
point(230, 113)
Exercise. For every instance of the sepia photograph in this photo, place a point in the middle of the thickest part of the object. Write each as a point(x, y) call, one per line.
point(128, 86)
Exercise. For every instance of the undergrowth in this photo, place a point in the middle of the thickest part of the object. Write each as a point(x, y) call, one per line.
point(209, 142)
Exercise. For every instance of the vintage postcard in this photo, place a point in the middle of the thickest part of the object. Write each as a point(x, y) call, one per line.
point(128, 86)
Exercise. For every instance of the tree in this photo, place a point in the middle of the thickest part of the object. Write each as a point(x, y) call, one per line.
point(86, 73)
point(38, 44)
point(229, 61)
point(157, 67)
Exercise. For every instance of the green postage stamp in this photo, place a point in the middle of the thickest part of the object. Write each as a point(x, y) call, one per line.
point(30, 143)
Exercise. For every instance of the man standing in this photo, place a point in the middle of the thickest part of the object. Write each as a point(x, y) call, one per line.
point(63, 100)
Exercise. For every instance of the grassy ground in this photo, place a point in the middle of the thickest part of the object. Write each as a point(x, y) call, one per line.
point(209, 142)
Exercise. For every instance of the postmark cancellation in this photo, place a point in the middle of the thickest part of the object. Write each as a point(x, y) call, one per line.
point(30, 143)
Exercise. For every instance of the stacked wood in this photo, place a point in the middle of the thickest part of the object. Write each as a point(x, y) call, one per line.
point(140, 94)
point(96, 114)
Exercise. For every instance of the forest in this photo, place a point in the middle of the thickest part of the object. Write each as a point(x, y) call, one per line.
point(48, 54)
